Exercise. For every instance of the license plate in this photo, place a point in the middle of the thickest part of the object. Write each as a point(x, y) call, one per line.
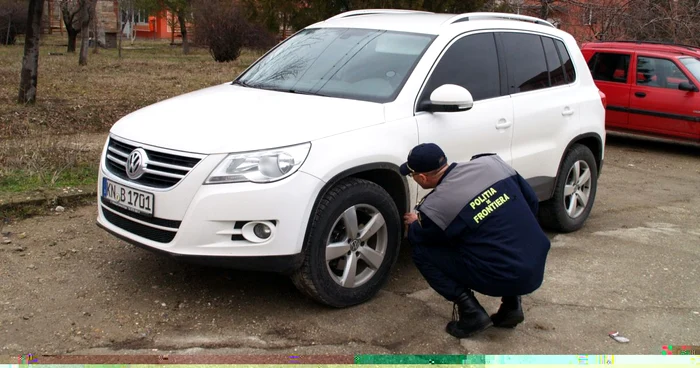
point(127, 198)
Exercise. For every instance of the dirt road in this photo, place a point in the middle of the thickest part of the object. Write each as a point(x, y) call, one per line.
point(68, 287)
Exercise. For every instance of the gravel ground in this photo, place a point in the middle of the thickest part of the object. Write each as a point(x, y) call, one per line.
point(69, 288)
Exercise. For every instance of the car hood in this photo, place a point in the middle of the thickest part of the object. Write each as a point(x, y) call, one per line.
point(229, 118)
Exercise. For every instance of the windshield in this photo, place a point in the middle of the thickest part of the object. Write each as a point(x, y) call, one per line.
point(369, 65)
point(693, 65)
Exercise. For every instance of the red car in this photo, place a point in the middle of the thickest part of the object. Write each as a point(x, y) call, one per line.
point(651, 88)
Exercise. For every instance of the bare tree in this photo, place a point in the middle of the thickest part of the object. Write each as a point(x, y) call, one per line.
point(95, 28)
point(30, 62)
point(86, 11)
point(125, 9)
point(72, 11)
point(604, 18)
point(13, 20)
point(182, 8)
point(676, 21)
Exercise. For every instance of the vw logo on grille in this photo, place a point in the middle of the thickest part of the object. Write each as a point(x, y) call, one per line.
point(136, 164)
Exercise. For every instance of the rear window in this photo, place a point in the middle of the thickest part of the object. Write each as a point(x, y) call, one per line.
point(609, 67)
point(566, 60)
point(526, 62)
point(557, 74)
point(535, 62)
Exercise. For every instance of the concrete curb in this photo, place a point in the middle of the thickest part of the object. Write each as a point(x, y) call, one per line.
point(23, 206)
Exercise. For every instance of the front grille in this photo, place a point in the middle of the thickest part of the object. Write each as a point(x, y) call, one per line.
point(164, 169)
point(158, 235)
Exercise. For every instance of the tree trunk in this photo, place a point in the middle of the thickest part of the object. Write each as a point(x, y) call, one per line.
point(183, 31)
point(9, 26)
point(72, 39)
point(30, 62)
point(85, 27)
point(72, 32)
point(544, 9)
point(172, 29)
point(95, 49)
point(120, 27)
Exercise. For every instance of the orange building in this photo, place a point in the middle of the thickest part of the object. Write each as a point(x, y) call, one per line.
point(163, 25)
point(149, 26)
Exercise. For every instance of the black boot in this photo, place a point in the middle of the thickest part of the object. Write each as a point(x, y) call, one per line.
point(470, 319)
point(510, 314)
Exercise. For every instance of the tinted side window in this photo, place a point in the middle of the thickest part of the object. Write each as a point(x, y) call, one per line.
point(662, 73)
point(526, 62)
point(566, 60)
point(471, 62)
point(556, 68)
point(609, 67)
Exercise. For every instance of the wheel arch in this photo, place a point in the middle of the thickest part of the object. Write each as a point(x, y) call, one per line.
point(594, 142)
point(384, 174)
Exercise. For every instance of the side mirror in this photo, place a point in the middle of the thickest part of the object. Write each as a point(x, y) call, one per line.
point(449, 98)
point(688, 87)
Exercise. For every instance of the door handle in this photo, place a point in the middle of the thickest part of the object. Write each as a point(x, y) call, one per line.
point(640, 94)
point(567, 112)
point(503, 124)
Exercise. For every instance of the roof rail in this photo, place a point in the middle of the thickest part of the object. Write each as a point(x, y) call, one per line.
point(690, 47)
point(493, 15)
point(353, 13)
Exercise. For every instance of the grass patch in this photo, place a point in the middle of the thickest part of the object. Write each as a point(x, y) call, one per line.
point(38, 148)
point(72, 98)
point(23, 181)
point(45, 163)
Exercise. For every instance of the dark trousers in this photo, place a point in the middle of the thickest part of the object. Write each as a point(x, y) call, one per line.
point(444, 270)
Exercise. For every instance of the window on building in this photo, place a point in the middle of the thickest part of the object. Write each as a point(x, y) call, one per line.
point(139, 17)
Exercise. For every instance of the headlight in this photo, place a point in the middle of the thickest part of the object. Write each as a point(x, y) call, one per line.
point(260, 166)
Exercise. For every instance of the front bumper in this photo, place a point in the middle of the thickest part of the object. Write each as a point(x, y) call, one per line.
point(280, 264)
point(201, 223)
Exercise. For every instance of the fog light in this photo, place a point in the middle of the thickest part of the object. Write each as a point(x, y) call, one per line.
point(262, 231)
point(259, 231)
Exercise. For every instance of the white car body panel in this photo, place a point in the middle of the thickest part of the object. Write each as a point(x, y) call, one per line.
point(243, 119)
point(344, 134)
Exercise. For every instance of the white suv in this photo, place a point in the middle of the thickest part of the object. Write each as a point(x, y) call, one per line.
point(293, 167)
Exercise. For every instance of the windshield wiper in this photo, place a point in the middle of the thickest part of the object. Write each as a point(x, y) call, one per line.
point(304, 92)
point(244, 84)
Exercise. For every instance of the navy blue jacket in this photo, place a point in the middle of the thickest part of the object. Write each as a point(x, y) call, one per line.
point(487, 211)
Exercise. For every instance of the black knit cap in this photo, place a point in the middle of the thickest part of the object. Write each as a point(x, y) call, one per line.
point(424, 158)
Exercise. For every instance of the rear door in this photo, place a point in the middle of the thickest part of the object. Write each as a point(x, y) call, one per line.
point(657, 105)
point(611, 72)
point(545, 105)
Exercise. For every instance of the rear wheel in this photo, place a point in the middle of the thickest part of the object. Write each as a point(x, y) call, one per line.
point(574, 194)
point(352, 244)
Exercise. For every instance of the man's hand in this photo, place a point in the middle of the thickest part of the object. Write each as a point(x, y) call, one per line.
point(409, 218)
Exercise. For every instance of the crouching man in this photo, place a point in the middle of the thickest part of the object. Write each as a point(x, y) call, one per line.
point(476, 231)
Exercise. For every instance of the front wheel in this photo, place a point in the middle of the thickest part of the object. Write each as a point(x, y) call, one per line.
point(352, 245)
point(574, 194)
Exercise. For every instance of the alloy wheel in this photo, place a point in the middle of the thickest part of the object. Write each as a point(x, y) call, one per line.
point(577, 189)
point(356, 246)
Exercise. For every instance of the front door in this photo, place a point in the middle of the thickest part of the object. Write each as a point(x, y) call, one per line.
point(471, 61)
point(657, 105)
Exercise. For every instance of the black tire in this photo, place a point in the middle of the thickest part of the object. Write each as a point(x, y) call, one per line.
point(313, 277)
point(552, 214)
